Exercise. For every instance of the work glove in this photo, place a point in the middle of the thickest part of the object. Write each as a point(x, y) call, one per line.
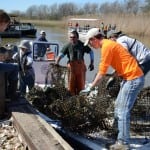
point(91, 67)
point(110, 82)
point(87, 90)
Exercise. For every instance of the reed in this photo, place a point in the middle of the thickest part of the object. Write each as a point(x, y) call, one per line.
point(48, 23)
point(131, 24)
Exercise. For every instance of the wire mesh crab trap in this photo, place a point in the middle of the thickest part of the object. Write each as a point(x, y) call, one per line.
point(91, 113)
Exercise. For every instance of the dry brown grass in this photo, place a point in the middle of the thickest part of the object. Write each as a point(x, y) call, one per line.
point(131, 24)
point(47, 23)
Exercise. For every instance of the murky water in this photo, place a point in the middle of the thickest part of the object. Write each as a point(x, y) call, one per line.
point(60, 36)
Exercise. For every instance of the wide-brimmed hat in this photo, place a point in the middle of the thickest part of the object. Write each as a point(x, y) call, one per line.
point(92, 33)
point(25, 44)
point(112, 33)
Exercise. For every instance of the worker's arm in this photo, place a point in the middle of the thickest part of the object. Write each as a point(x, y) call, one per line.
point(60, 56)
point(91, 66)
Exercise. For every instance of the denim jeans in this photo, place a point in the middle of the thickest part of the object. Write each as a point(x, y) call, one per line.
point(123, 105)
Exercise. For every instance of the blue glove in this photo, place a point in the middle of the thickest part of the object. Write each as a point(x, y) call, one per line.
point(86, 90)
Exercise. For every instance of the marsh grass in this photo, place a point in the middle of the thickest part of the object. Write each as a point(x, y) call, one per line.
point(48, 23)
point(130, 24)
point(138, 25)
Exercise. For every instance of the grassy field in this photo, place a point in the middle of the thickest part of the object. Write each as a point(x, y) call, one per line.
point(48, 23)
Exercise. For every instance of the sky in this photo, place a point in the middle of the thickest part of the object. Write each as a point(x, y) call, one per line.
point(23, 5)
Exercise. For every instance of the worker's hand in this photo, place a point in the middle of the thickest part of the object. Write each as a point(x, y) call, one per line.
point(110, 82)
point(87, 90)
point(91, 67)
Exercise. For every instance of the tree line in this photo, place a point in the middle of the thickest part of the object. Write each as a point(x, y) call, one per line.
point(58, 11)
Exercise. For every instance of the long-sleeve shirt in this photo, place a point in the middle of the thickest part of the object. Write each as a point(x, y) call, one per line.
point(76, 52)
point(138, 50)
point(116, 56)
point(24, 59)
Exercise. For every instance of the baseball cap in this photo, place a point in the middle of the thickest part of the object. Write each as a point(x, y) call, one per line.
point(92, 33)
point(113, 32)
point(25, 44)
point(42, 32)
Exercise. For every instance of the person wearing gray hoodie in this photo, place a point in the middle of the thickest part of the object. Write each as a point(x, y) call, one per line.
point(135, 47)
point(26, 71)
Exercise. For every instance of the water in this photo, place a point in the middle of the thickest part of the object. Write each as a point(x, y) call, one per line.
point(60, 36)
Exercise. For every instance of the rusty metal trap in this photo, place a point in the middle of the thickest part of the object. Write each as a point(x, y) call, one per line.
point(87, 113)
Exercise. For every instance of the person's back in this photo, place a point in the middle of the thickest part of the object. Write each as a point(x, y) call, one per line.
point(135, 47)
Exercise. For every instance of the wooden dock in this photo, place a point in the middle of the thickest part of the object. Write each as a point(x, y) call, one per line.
point(35, 132)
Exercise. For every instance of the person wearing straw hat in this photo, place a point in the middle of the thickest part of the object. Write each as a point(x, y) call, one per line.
point(25, 61)
point(115, 55)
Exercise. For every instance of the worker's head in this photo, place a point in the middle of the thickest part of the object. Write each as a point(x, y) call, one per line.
point(42, 33)
point(93, 38)
point(74, 36)
point(4, 20)
point(25, 45)
point(113, 34)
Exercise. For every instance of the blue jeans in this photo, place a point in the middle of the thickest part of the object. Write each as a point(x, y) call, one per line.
point(123, 105)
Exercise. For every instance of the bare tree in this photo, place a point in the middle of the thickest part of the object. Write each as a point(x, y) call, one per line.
point(132, 6)
point(43, 11)
point(115, 7)
point(90, 8)
point(54, 12)
point(146, 7)
point(67, 9)
point(32, 11)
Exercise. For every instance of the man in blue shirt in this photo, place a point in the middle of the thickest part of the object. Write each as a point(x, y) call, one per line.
point(41, 48)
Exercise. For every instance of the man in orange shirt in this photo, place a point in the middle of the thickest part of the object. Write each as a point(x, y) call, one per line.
point(126, 66)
